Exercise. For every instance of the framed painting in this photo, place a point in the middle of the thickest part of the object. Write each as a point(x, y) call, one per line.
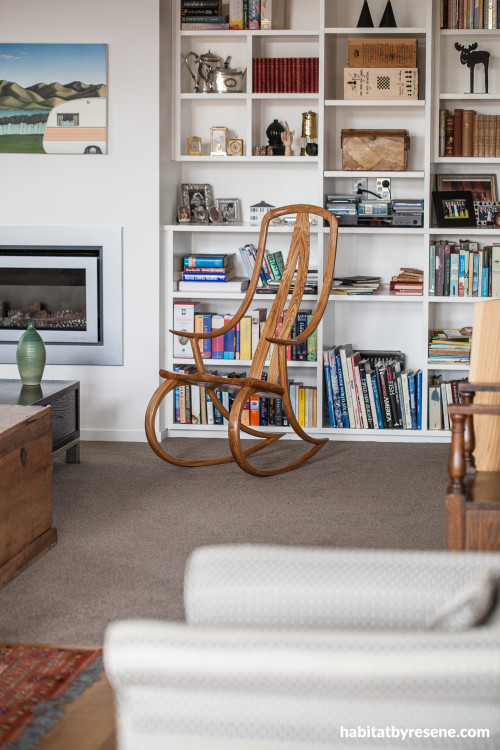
point(198, 198)
point(454, 208)
point(230, 209)
point(482, 186)
point(65, 116)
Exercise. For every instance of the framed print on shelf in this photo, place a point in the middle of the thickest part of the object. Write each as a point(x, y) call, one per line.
point(485, 212)
point(482, 186)
point(218, 141)
point(230, 209)
point(198, 198)
point(194, 146)
point(454, 208)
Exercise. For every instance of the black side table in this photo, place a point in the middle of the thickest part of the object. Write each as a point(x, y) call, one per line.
point(64, 398)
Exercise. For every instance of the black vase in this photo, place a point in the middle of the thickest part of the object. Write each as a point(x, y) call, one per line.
point(388, 19)
point(365, 17)
point(273, 132)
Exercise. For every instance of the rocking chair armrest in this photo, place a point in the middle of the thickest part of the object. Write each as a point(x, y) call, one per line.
point(477, 387)
point(204, 334)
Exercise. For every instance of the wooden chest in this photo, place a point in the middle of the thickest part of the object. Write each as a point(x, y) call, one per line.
point(368, 150)
point(26, 530)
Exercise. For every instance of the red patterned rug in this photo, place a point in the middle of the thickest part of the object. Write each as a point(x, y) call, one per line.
point(36, 684)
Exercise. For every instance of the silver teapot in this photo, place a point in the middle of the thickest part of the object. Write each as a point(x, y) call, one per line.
point(227, 80)
point(207, 64)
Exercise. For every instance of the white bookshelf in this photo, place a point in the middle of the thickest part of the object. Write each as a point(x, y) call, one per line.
point(318, 28)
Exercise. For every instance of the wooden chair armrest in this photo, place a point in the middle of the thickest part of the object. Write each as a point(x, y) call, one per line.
point(476, 387)
point(470, 410)
point(205, 334)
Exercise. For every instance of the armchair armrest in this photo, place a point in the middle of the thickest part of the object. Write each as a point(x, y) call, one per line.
point(268, 586)
point(182, 687)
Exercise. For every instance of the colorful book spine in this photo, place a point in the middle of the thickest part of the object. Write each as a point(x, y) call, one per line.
point(301, 326)
point(228, 350)
point(337, 408)
point(432, 270)
point(418, 396)
point(328, 387)
point(217, 341)
point(204, 261)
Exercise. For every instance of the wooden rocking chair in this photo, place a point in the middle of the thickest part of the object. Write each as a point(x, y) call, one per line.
point(276, 385)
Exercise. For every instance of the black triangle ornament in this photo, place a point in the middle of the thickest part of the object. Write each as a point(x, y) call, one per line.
point(388, 19)
point(365, 17)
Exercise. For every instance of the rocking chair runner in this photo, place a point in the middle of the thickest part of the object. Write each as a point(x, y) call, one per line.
point(276, 385)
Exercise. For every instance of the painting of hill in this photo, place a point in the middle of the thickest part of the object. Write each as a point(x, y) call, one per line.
point(31, 88)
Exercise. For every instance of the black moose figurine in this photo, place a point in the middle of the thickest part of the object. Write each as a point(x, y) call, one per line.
point(471, 56)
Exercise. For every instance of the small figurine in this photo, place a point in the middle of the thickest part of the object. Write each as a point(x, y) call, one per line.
point(471, 56)
point(256, 151)
point(287, 138)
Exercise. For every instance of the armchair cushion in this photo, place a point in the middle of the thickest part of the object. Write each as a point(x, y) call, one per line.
point(470, 605)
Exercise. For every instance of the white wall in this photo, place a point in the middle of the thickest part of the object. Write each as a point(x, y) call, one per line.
point(118, 189)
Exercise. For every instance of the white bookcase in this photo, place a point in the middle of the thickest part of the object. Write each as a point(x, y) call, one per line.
point(318, 28)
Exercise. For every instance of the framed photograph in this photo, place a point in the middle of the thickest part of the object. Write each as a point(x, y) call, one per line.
point(183, 215)
point(229, 209)
point(194, 146)
point(454, 208)
point(482, 186)
point(198, 199)
point(218, 141)
point(485, 212)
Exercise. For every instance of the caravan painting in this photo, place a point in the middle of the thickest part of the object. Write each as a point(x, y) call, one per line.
point(53, 98)
point(76, 127)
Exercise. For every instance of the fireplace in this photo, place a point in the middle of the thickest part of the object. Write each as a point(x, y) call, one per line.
point(68, 282)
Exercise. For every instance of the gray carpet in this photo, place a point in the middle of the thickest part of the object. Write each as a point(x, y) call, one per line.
point(127, 522)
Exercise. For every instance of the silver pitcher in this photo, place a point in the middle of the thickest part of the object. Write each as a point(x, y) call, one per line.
point(207, 64)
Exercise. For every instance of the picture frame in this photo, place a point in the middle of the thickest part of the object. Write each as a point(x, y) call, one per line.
point(482, 186)
point(195, 146)
point(454, 208)
point(183, 214)
point(229, 209)
point(485, 212)
point(198, 197)
point(218, 141)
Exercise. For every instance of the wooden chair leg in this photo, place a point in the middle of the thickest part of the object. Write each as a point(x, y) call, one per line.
point(240, 456)
point(161, 392)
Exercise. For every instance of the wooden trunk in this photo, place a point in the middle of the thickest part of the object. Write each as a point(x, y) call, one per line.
point(26, 530)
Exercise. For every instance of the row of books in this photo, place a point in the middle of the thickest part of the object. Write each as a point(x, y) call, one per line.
point(240, 342)
point(285, 75)
point(208, 273)
point(192, 405)
point(371, 389)
point(465, 133)
point(450, 346)
point(442, 393)
point(470, 14)
point(463, 269)
point(272, 270)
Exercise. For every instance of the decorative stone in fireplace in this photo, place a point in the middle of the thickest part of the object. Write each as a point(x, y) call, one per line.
point(68, 281)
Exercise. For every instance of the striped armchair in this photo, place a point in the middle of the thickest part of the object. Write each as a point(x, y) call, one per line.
point(292, 648)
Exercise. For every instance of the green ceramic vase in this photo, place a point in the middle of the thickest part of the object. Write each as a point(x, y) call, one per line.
point(31, 356)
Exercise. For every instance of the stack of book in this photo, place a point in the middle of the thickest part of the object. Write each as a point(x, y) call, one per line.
point(371, 389)
point(469, 14)
point(409, 282)
point(355, 285)
point(285, 75)
point(442, 393)
point(200, 15)
point(210, 273)
point(450, 346)
point(463, 269)
point(465, 133)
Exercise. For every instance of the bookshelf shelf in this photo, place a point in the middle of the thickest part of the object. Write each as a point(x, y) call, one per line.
point(321, 28)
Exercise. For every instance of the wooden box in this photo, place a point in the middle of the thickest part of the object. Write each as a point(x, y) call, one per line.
point(368, 150)
point(26, 530)
point(382, 53)
point(380, 83)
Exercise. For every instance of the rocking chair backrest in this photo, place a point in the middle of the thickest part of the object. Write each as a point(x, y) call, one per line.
point(296, 268)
